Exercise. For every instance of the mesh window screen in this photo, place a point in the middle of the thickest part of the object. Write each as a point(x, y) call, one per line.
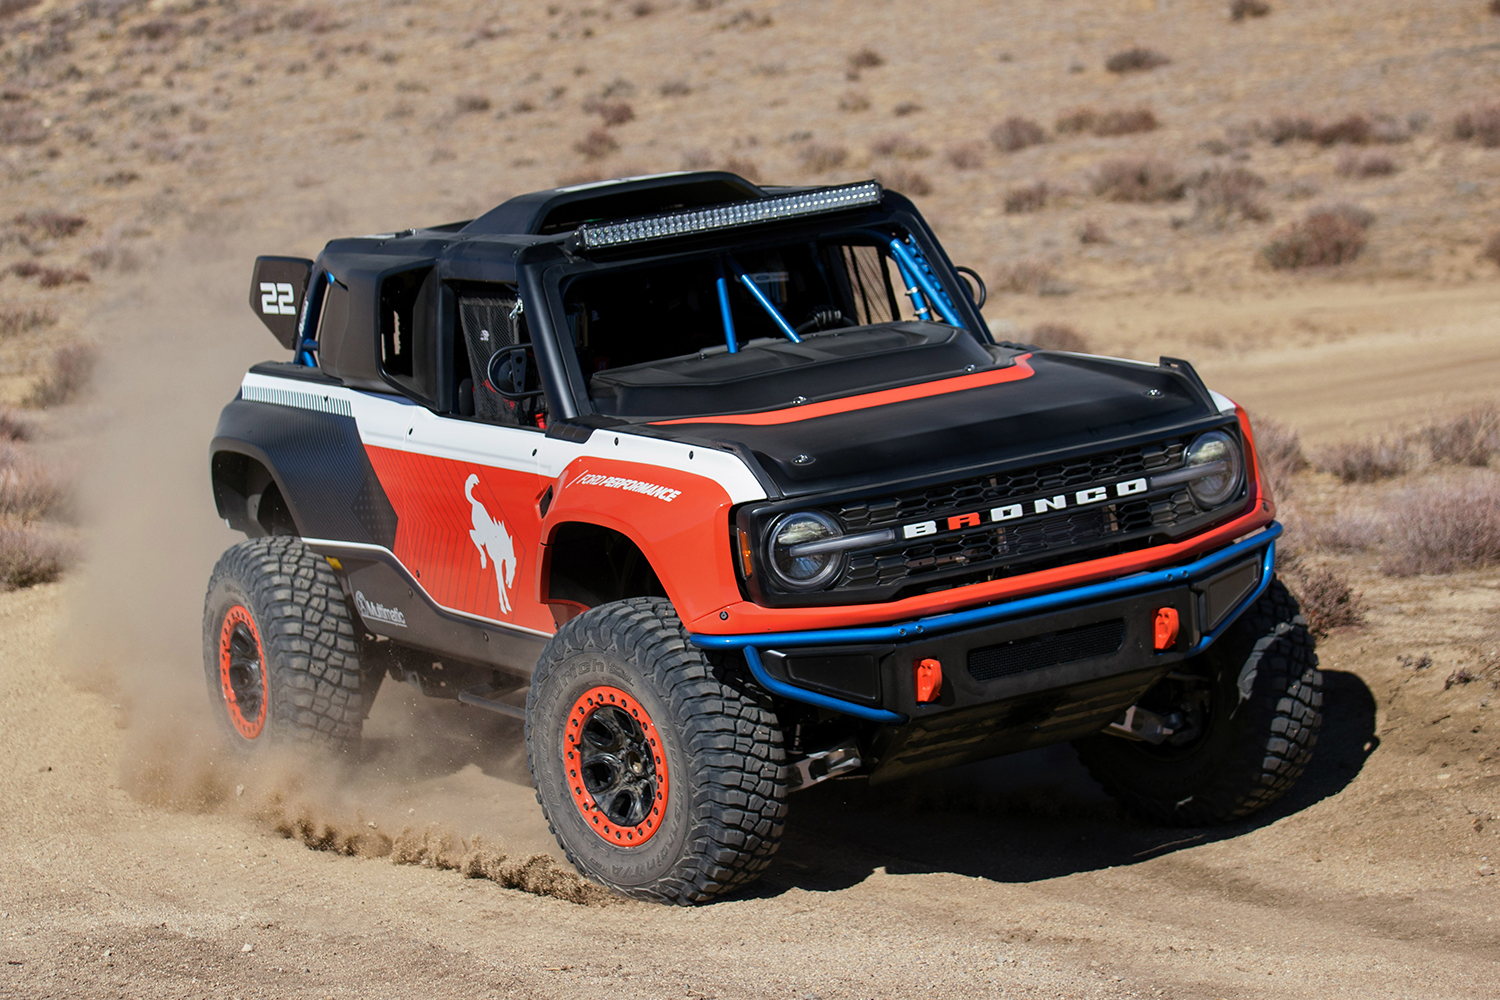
point(488, 326)
point(870, 283)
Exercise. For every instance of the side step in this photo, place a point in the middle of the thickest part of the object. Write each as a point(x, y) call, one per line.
point(493, 699)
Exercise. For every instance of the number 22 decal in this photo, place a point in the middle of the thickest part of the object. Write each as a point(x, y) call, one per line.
point(276, 298)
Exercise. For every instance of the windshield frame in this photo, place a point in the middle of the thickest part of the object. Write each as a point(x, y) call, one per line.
point(553, 276)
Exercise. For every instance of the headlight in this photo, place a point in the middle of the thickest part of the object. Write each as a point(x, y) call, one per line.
point(804, 571)
point(1218, 456)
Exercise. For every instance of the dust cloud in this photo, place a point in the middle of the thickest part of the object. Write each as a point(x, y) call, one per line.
point(174, 349)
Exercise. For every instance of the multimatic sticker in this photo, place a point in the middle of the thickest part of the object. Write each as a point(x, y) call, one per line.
point(378, 612)
point(1016, 511)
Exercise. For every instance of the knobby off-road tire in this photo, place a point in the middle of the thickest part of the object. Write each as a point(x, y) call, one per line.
point(280, 650)
point(1252, 748)
point(662, 777)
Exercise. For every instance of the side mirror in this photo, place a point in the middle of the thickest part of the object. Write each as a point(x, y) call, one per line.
point(277, 287)
point(508, 370)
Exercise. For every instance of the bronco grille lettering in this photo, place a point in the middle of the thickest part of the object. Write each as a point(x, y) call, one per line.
point(1042, 505)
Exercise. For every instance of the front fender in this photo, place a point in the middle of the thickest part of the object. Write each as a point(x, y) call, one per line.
point(679, 521)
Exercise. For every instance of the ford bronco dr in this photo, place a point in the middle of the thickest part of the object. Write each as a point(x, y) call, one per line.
point(726, 490)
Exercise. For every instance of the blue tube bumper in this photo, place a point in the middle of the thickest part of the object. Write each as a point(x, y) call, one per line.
point(1209, 593)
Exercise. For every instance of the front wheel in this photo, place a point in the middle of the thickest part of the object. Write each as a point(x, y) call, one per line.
point(661, 776)
point(1253, 705)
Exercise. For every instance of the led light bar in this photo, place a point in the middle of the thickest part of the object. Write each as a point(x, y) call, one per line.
point(740, 213)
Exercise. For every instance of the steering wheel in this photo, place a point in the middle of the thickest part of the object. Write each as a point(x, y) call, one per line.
point(824, 318)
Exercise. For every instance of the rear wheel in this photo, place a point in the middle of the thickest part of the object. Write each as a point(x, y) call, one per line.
point(279, 648)
point(1251, 704)
point(661, 776)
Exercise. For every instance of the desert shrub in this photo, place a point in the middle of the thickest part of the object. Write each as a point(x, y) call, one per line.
point(643, 8)
point(1346, 530)
point(28, 557)
point(865, 58)
point(1328, 236)
point(1027, 198)
point(1481, 125)
point(10, 8)
point(902, 147)
point(819, 158)
point(27, 491)
point(468, 104)
point(1120, 121)
point(1125, 122)
point(1442, 527)
point(1135, 60)
point(906, 108)
point(71, 370)
point(967, 156)
point(612, 112)
point(1144, 180)
point(1239, 10)
point(1287, 129)
point(1355, 129)
point(1491, 251)
point(12, 427)
point(54, 224)
point(1366, 165)
point(1023, 276)
point(1279, 449)
point(54, 277)
point(1220, 195)
point(905, 181)
point(853, 101)
point(1468, 439)
point(1015, 134)
point(596, 145)
point(746, 168)
point(1091, 232)
point(675, 88)
point(16, 320)
point(1367, 461)
point(1058, 337)
point(1327, 599)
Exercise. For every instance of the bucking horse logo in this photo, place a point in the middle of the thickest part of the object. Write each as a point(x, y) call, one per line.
point(494, 545)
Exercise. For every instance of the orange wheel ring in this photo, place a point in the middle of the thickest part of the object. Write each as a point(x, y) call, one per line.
point(242, 673)
point(616, 766)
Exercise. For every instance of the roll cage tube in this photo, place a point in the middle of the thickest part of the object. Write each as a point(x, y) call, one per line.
point(916, 276)
point(305, 353)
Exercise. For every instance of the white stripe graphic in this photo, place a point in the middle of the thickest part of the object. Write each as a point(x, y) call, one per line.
point(302, 400)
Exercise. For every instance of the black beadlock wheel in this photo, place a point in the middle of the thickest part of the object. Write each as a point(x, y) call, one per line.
point(662, 777)
point(279, 648)
point(1259, 723)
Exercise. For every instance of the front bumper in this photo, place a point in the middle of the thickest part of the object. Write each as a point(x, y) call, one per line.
point(1093, 642)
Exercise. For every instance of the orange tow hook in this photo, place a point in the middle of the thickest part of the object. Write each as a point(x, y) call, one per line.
point(929, 680)
point(1166, 628)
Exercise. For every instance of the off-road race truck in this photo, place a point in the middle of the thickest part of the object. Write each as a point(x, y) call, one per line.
point(726, 490)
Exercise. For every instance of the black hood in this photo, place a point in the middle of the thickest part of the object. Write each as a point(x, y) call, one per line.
point(1070, 404)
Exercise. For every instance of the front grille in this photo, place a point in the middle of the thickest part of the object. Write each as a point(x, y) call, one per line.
point(993, 549)
point(990, 489)
point(1035, 652)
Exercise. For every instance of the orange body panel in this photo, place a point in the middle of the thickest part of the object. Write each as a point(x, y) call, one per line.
point(686, 538)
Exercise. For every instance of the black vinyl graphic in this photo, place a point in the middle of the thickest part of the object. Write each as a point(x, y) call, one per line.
point(319, 463)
